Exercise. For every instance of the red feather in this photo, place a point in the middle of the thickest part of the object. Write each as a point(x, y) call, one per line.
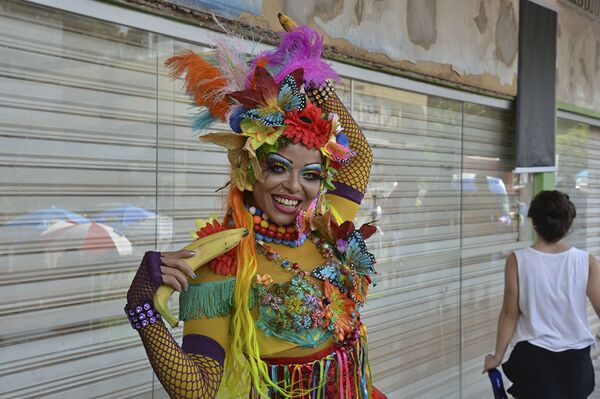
point(298, 76)
point(203, 81)
point(367, 230)
point(262, 89)
point(342, 232)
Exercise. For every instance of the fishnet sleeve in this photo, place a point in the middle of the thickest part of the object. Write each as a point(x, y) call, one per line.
point(182, 375)
point(350, 181)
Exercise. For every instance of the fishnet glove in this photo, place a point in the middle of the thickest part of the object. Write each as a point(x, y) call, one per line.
point(146, 281)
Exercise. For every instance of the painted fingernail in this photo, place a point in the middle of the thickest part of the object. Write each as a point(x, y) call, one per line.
point(191, 253)
point(193, 275)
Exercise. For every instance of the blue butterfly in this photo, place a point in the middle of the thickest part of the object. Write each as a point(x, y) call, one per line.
point(357, 255)
point(289, 98)
point(333, 274)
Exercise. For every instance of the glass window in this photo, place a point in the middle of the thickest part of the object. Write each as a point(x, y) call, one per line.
point(576, 170)
point(578, 149)
point(98, 165)
point(84, 106)
point(412, 314)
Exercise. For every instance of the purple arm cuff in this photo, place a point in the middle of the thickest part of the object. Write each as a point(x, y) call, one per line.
point(346, 191)
point(202, 345)
point(151, 262)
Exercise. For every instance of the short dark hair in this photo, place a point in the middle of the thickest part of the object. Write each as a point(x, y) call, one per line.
point(552, 213)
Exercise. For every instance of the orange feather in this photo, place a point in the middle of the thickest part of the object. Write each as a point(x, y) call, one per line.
point(203, 81)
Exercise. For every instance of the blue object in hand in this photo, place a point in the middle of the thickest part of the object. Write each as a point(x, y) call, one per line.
point(497, 384)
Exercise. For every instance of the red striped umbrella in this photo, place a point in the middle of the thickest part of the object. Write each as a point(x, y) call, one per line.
point(64, 235)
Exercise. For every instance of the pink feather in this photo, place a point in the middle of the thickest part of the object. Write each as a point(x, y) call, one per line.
point(300, 48)
point(339, 153)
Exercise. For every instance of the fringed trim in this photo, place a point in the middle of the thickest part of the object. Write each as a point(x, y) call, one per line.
point(208, 299)
point(342, 373)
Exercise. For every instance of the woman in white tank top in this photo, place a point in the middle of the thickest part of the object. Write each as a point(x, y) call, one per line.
point(544, 309)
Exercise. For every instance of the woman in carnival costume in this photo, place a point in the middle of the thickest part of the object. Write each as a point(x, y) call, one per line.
point(278, 315)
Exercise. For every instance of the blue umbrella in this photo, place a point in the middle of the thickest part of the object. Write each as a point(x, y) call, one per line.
point(124, 215)
point(497, 385)
point(41, 219)
point(496, 185)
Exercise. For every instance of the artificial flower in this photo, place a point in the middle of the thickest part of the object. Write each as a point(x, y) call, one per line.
point(340, 311)
point(308, 127)
point(238, 156)
point(360, 287)
point(225, 264)
point(265, 279)
point(260, 134)
point(205, 227)
point(245, 169)
point(322, 224)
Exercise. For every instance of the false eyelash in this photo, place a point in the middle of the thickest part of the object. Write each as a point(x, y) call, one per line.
point(274, 164)
point(314, 174)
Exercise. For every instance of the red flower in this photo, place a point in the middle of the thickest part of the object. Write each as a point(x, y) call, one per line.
point(225, 264)
point(308, 127)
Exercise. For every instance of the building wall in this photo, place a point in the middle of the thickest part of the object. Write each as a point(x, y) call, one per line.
point(470, 43)
point(578, 58)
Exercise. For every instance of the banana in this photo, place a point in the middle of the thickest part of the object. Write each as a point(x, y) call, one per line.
point(286, 22)
point(207, 248)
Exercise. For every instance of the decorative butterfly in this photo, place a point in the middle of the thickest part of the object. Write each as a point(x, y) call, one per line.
point(358, 255)
point(333, 274)
point(289, 97)
point(268, 102)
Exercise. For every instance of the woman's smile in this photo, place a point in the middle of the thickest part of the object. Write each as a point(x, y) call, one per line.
point(292, 181)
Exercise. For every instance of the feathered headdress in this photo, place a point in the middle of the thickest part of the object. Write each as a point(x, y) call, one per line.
point(263, 100)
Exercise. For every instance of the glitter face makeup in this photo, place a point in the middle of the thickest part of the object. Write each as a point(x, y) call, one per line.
point(292, 181)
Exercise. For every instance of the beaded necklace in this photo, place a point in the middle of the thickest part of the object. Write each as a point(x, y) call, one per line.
point(340, 271)
point(270, 232)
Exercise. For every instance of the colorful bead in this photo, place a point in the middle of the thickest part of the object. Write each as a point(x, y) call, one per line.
point(263, 228)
